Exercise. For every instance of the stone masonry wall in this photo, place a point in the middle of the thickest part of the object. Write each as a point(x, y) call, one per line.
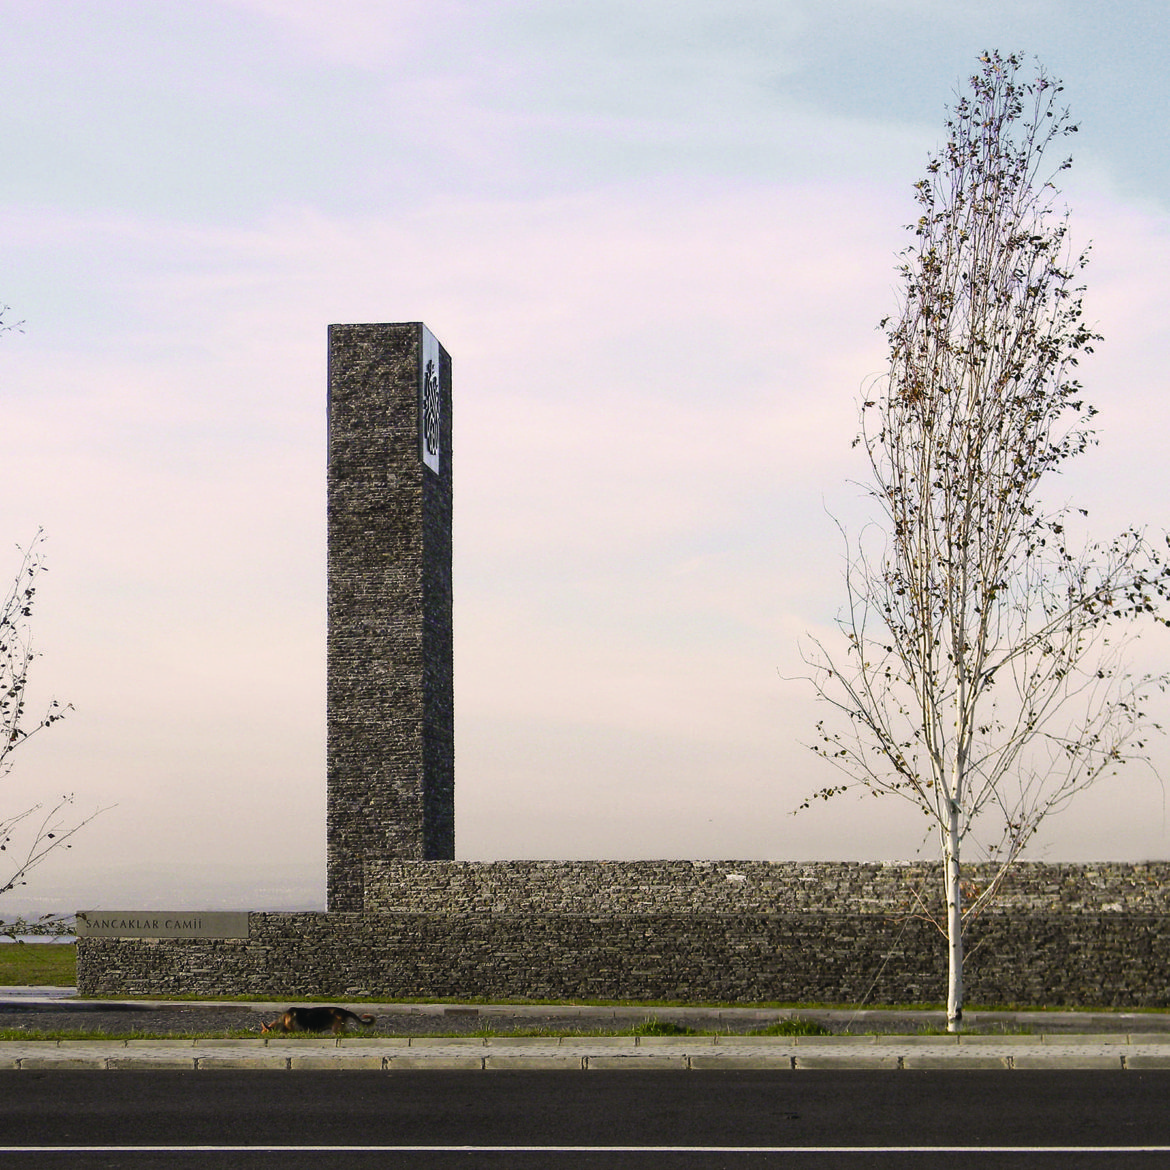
point(390, 692)
point(682, 931)
point(756, 887)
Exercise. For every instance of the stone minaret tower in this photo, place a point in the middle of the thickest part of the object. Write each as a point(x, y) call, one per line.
point(390, 749)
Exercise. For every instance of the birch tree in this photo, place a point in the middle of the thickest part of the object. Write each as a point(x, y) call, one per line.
point(981, 675)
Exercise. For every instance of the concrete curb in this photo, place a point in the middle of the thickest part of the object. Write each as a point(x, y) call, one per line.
point(1068, 1040)
point(1118, 1052)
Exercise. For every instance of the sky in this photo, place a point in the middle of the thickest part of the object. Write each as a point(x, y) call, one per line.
point(656, 237)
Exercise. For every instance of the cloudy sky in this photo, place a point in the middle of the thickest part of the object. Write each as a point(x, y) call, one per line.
point(656, 236)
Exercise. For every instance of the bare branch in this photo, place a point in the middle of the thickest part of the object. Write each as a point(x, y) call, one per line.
point(976, 675)
point(30, 834)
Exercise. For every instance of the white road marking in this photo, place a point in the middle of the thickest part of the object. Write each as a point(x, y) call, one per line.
point(468, 1149)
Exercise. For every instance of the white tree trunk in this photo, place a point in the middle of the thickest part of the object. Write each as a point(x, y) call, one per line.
point(954, 897)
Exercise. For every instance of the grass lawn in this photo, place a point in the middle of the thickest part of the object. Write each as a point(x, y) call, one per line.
point(38, 964)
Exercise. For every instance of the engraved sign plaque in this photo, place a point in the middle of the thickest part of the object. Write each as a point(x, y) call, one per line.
point(162, 924)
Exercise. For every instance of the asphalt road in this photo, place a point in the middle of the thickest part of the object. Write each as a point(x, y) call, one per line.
point(433, 1120)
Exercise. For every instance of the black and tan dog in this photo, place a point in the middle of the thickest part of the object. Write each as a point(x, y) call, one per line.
point(314, 1019)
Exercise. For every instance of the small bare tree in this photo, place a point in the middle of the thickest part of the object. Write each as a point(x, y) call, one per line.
point(28, 835)
point(978, 679)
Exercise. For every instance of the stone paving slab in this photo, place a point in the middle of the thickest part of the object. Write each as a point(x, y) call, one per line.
point(60, 1063)
point(161, 1060)
point(848, 1041)
point(839, 1060)
point(640, 1061)
point(917, 1041)
point(447, 1041)
point(437, 1061)
point(344, 1060)
point(538, 1061)
point(977, 1040)
point(749, 1061)
point(949, 1059)
point(675, 1041)
point(1067, 1060)
point(1142, 1060)
point(266, 1059)
point(1095, 1038)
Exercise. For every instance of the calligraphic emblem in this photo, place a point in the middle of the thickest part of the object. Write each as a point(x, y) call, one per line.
point(430, 413)
point(431, 409)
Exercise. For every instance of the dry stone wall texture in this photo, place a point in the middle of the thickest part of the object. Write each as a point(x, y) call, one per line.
point(390, 692)
point(682, 931)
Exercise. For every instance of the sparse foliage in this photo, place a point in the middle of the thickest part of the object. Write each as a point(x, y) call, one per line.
point(979, 677)
point(6, 326)
point(30, 834)
point(44, 925)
